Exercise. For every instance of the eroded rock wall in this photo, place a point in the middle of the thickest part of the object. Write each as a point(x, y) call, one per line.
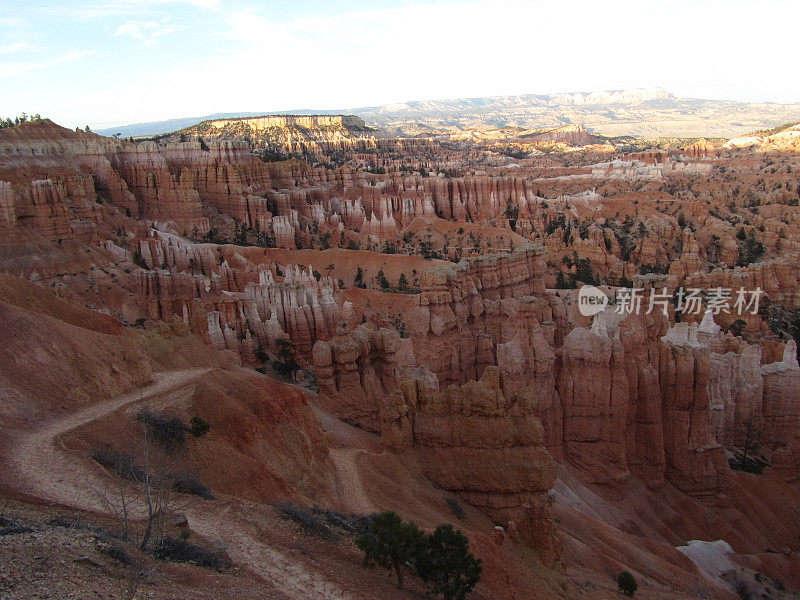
point(483, 441)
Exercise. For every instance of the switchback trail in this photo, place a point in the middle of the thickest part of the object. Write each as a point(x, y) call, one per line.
point(38, 465)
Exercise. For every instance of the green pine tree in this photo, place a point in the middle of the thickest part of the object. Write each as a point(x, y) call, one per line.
point(391, 543)
point(447, 565)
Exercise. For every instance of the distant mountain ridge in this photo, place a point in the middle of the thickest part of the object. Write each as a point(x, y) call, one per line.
point(170, 125)
point(637, 112)
point(632, 96)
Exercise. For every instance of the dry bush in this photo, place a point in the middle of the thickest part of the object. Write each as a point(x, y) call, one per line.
point(307, 520)
point(743, 588)
point(178, 550)
point(167, 432)
point(455, 508)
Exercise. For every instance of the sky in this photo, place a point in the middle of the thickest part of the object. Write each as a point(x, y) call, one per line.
point(131, 61)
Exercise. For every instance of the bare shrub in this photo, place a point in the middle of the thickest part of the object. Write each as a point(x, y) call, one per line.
point(157, 487)
point(178, 550)
point(147, 482)
point(119, 498)
point(307, 520)
point(118, 552)
point(350, 523)
point(183, 483)
point(743, 588)
point(167, 432)
point(118, 462)
point(145, 485)
point(455, 508)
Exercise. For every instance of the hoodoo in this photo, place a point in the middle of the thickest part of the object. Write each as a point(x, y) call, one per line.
point(497, 348)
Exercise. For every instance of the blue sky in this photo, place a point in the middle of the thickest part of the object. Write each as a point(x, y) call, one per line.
point(126, 61)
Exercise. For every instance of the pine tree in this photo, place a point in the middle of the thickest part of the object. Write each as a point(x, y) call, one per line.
point(447, 565)
point(287, 363)
point(359, 279)
point(627, 584)
point(382, 281)
point(391, 543)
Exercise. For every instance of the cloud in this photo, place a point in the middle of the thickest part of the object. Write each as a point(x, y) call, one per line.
point(9, 48)
point(12, 22)
point(404, 53)
point(418, 50)
point(146, 32)
point(490, 47)
point(9, 69)
point(100, 10)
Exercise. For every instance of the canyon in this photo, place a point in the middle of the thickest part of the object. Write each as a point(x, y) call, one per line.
point(387, 322)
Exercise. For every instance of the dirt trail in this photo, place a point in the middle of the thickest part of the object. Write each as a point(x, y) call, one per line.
point(37, 464)
point(350, 480)
point(281, 571)
point(341, 435)
point(345, 444)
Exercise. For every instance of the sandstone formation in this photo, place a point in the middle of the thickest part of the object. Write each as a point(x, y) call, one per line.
point(780, 406)
point(321, 136)
point(482, 440)
point(355, 370)
point(593, 389)
point(572, 135)
point(461, 314)
point(694, 458)
point(210, 238)
point(429, 284)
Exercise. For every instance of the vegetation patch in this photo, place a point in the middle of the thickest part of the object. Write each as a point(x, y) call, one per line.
point(441, 560)
point(178, 550)
point(310, 522)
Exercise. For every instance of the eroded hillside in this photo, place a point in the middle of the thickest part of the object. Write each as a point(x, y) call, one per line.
point(403, 332)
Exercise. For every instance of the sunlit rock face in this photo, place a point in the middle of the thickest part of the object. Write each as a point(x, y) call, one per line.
point(355, 370)
point(135, 230)
point(483, 441)
point(781, 392)
point(593, 388)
